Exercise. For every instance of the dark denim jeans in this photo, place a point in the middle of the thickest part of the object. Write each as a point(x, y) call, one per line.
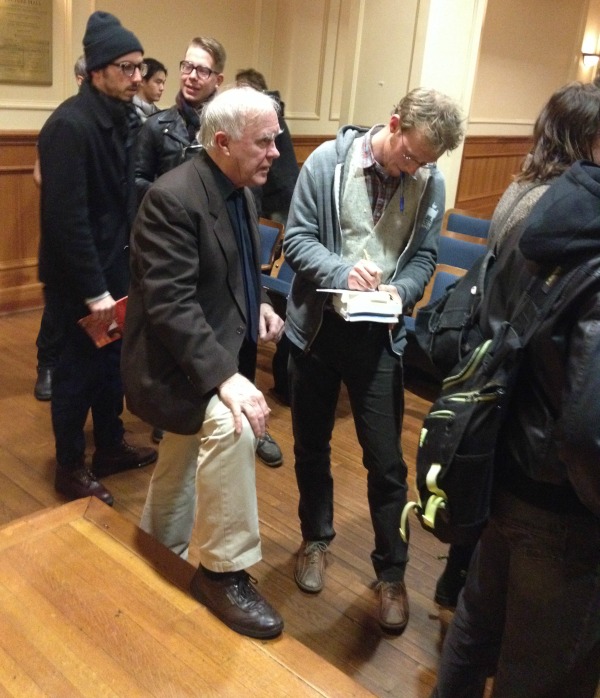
point(86, 378)
point(530, 609)
point(358, 354)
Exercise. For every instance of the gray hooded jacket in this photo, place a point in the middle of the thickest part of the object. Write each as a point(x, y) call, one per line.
point(313, 240)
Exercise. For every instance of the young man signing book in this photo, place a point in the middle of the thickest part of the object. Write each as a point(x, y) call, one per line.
point(366, 214)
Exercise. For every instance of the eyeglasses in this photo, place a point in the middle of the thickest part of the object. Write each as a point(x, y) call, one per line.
point(128, 68)
point(411, 158)
point(202, 71)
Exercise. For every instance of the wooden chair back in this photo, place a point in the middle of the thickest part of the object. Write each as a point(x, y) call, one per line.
point(271, 241)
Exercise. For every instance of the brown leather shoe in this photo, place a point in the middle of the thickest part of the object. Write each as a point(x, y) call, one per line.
point(393, 606)
point(79, 483)
point(232, 598)
point(310, 565)
point(108, 461)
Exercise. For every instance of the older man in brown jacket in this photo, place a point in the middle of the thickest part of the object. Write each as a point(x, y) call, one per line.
point(195, 314)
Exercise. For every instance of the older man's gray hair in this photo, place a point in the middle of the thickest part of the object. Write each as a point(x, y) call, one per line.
point(231, 111)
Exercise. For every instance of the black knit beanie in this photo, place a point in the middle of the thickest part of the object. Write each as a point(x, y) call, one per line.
point(106, 39)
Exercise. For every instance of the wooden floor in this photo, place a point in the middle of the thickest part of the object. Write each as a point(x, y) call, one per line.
point(340, 623)
point(91, 606)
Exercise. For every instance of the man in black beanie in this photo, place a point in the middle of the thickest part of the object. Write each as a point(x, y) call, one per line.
point(87, 208)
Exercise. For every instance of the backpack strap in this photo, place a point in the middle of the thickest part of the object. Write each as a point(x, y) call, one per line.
point(540, 297)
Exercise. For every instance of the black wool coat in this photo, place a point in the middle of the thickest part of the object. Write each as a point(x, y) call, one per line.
point(87, 198)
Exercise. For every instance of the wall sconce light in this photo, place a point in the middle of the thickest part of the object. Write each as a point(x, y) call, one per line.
point(590, 59)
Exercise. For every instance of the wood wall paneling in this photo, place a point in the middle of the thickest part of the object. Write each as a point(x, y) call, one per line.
point(488, 164)
point(304, 145)
point(19, 223)
point(487, 167)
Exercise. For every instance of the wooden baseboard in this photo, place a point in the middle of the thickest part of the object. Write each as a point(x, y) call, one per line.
point(18, 298)
point(304, 145)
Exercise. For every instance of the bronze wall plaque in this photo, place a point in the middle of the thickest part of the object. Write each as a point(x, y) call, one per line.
point(26, 42)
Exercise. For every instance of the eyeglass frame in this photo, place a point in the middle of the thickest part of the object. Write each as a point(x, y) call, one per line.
point(200, 70)
point(411, 158)
point(142, 67)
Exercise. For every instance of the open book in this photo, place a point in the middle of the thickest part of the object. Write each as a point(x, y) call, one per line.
point(357, 306)
point(105, 333)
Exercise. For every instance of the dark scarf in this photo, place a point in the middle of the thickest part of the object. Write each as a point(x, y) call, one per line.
point(123, 116)
point(189, 115)
point(126, 123)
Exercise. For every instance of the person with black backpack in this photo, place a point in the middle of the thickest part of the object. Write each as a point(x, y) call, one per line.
point(563, 133)
point(529, 613)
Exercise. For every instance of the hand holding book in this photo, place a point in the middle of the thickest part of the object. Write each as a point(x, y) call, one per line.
point(103, 333)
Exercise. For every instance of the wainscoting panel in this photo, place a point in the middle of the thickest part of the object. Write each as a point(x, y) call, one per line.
point(304, 145)
point(19, 223)
point(487, 167)
point(488, 164)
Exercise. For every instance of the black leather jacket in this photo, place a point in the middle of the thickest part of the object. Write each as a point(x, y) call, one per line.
point(163, 143)
point(549, 448)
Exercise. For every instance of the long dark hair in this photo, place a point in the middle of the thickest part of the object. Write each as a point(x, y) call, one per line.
point(564, 132)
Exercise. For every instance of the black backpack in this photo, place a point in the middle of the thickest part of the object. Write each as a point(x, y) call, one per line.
point(446, 329)
point(455, 457)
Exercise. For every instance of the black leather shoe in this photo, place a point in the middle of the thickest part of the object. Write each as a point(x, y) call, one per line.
point(108, 461)
point(43, 385)
point(79, 483)
point(268, 451)
point(232, 598)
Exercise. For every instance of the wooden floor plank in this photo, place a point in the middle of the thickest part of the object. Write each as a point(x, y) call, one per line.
point(79, 666)
point(24, 671)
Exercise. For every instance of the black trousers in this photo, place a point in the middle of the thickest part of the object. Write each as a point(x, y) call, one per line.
point(358, 354)
point(85, 379)
point(52, 330)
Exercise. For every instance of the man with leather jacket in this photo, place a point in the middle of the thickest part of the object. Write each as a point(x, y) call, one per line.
point(169, 138)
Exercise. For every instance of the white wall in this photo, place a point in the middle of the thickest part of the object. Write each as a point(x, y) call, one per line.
point(590, 42)
point(528, 50)
point(306, 63)
point(165, 28)
point(340, 61)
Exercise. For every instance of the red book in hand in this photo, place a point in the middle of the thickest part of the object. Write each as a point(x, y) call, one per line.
point(103, 333)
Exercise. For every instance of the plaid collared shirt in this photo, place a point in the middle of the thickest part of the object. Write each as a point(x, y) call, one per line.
point(380, 185)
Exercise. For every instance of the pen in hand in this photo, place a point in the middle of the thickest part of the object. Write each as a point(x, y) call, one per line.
point(373, 270)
